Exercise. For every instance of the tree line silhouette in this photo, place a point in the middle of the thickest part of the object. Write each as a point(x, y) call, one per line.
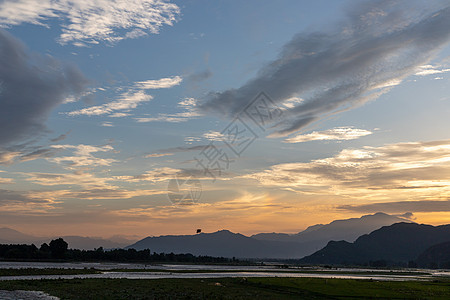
point(58, 250)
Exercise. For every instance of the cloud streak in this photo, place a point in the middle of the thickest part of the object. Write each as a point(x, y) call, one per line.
point(338, 134)
point(82, 156)
point(214, 136)
point(401, 206)
point(189, 105)
point(152, 155)
point(6, 180)
point(181, 149)
point(125, 102)
point(25, 202)
point(372, 50)
point(134, 96)
point(163, 83)
point(431, 70)
point(85, 21)
point(417, 170)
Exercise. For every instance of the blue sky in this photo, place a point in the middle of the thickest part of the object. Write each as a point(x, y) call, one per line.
point(104, 106)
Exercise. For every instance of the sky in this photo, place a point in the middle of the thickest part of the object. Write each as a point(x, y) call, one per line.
point(152, 117)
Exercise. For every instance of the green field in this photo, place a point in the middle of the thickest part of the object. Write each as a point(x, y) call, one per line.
point(234, 288)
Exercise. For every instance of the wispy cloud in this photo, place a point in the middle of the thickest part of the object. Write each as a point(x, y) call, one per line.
point(199, 76)
point(338, 133)
point(83, 185)
point(40, 153)
point(213, 136)
point(83, 156)
point(404, 170)
point(59, 138)
point(24, 202)
point(180, 149)
point(78, 178)
point(155, 175)
point(190, 111)
point(190, 139)
point(24, 153)
point(4, 180)
point(130, 99)
point(126, 101)
point(85, 21)
point(111, 193)
point(157, 155)
point(8, 157)
point(119, 115)
point(378, 45)
point(401, 206)
point(164, 174)
point(431, 70)
point(292, 102)
point(107, 124)
point(163, 83)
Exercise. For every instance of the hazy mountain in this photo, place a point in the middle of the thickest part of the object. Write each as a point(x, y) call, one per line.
point(89, 243)
point(124, 239)
point(221, 243)
point(437, 256)
point(11, 236)
point(266, 245)
point(317, 236)
point(400, 242)
point(228, 244)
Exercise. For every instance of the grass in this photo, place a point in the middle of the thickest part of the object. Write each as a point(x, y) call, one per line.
point(235, 288)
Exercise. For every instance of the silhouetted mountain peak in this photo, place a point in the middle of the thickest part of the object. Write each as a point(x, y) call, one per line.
point(223, 232)
point(267, 245)
point(397, 243)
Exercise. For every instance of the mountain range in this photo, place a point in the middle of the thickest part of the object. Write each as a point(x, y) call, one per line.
point(348, 230)
point(351, 241)
point(267, 245)
point(396, 244)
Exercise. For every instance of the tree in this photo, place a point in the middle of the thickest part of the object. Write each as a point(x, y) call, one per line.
point(44, 248)
point(58, 248)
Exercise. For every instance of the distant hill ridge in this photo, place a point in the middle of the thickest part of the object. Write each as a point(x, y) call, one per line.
point(398, 243)
point(348, 229)
point(227, 244)
point(267, 245)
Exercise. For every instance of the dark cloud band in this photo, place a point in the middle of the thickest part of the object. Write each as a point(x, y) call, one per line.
point(31, 86)
point(378, 45)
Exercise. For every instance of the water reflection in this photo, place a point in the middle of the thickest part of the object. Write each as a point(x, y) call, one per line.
point(224, 271)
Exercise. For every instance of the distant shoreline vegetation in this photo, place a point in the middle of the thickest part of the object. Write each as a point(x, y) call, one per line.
point(435, 257)
point(57, 250)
